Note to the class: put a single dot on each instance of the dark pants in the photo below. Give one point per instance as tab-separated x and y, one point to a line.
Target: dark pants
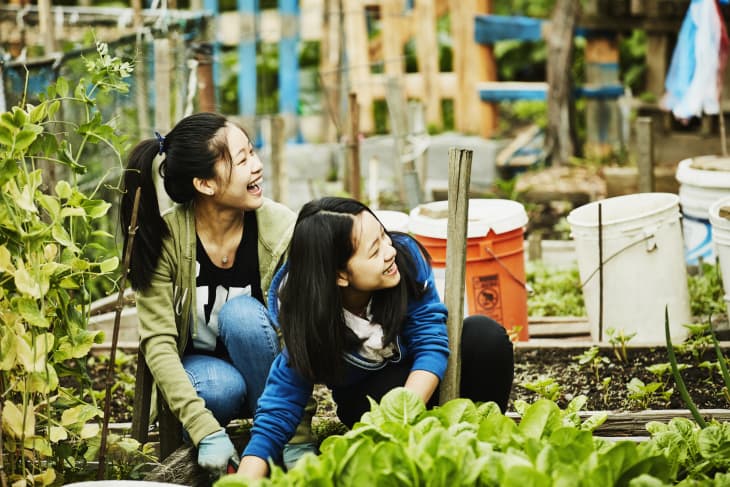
487	370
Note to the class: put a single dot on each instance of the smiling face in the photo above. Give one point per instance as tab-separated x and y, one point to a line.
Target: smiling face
239	182
372	265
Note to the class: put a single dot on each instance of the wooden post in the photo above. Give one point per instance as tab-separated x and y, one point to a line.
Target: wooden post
358	61
391	12
645	160
354	139
428	62
603	117
560	136
330	74
473	63
212	7
206	90
278	168
373	191
162	108
395	99
140	74
137	20
459	180
46	27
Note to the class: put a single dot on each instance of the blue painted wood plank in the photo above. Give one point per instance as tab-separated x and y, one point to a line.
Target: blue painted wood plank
288	57
489	29
248	11
496	92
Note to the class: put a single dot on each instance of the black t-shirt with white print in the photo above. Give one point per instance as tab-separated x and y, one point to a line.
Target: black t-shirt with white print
215	286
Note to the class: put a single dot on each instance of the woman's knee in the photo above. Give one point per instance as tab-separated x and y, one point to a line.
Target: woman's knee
242	308
218	383
489	336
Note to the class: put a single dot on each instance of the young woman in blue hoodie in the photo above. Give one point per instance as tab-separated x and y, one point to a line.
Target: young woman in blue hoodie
359	312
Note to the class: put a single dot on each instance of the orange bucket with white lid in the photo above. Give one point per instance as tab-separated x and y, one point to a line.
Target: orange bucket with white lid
495	262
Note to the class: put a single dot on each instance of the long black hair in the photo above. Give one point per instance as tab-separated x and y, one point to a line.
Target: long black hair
311	315
190	151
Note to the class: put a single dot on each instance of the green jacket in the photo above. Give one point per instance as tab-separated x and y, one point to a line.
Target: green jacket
166	308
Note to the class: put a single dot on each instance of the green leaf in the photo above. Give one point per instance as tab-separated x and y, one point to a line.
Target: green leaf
61	236
62	86
58	433
25	284
38	113
6	260
8	350
96	208
401	405
28	309
50	204
17	423
28	134
63	189
44	382
457	411
541	418
79	414
53	108
109	264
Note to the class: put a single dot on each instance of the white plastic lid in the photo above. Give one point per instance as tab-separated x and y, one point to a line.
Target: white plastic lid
497	215
393	221
686	174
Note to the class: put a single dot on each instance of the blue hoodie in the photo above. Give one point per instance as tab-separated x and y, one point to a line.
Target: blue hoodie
423	340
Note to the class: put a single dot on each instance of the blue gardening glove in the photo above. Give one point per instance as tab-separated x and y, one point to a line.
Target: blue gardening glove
214	452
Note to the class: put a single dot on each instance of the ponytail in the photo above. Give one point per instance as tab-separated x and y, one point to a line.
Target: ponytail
151	228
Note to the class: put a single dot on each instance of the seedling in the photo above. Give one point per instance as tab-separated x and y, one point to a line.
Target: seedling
545	387
592	359
663	371
698	340
619	340
643	394
604	388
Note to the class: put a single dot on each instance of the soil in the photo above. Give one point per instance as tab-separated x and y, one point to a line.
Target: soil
705	385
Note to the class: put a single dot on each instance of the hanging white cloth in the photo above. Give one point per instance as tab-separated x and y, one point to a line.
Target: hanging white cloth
694	79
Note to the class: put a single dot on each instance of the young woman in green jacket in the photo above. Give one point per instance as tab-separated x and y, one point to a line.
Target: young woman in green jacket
201	271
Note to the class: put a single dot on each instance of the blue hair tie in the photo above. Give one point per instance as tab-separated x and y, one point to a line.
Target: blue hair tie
161	140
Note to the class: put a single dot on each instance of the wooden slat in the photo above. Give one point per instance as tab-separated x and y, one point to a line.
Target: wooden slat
633	423
356	41
428	62
446	84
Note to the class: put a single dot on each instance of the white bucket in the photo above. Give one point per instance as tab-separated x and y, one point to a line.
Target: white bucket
393	221
643	266
699	188
721	241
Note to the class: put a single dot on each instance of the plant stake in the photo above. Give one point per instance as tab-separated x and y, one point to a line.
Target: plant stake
115	336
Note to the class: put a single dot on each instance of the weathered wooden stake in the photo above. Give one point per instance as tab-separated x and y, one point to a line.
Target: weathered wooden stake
278	168
354	139
45	25
115	336
645	160
459	180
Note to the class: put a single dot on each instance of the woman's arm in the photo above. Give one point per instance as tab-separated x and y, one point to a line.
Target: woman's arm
422	383
280	410
253	467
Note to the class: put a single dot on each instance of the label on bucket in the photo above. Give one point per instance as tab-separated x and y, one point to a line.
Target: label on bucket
488	296
697	240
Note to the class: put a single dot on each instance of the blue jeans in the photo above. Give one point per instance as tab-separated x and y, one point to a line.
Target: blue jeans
232	389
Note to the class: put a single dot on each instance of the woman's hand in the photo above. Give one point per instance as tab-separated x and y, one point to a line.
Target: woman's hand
422	383
253	467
